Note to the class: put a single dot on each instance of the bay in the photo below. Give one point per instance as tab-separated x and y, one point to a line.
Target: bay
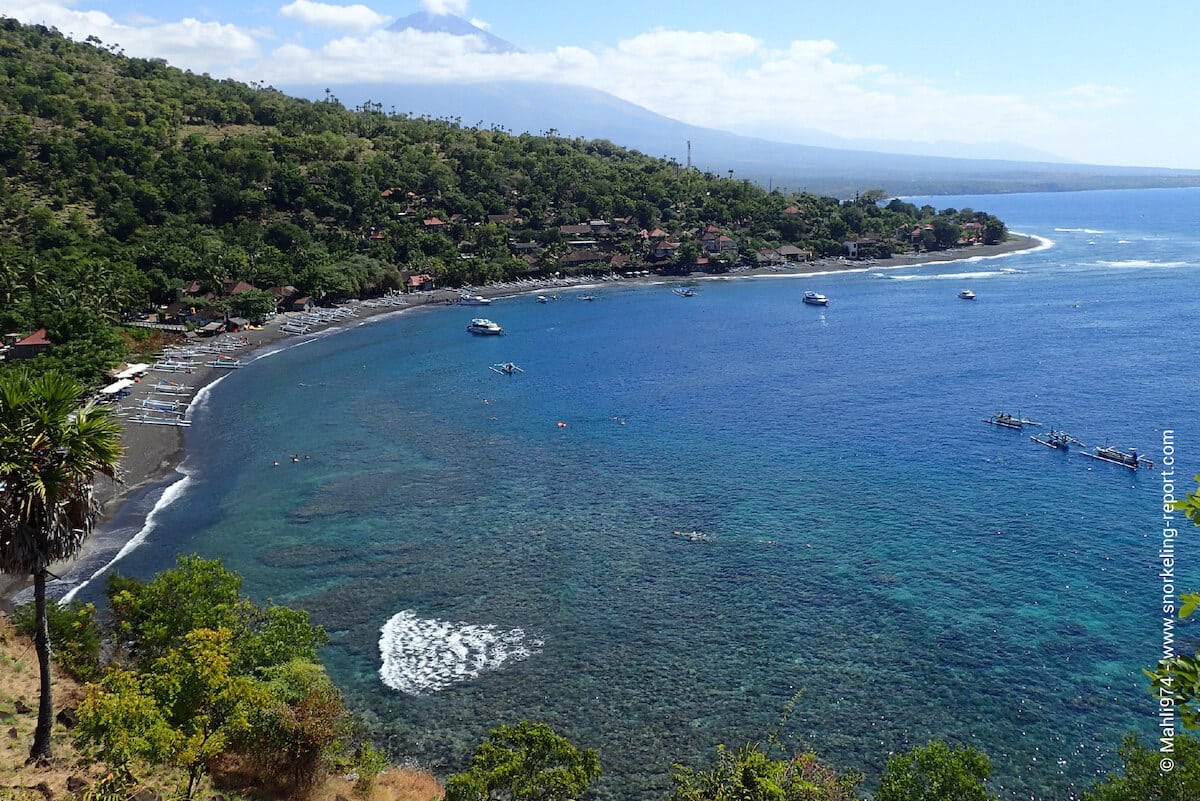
749	498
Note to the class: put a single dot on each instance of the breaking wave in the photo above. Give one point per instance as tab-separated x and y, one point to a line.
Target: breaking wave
424	655
1142	263
955	276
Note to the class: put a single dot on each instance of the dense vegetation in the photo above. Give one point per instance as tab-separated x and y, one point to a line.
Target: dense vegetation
126	180
196	678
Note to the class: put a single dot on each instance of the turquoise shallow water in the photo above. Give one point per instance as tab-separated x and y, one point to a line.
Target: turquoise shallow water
864	536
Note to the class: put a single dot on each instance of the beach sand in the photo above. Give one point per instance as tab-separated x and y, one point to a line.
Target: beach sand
152	452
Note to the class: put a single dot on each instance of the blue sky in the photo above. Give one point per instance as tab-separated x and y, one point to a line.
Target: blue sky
1097	82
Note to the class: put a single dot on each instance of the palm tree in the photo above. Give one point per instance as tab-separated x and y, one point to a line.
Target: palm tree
50	451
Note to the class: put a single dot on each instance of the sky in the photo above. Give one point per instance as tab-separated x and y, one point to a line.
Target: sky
1099	82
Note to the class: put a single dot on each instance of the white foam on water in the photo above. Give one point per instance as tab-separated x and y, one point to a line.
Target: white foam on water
169	496
955	276
1081	230
1141	263
425	655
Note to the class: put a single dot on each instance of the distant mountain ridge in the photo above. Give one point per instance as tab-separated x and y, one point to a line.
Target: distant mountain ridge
574	111
824	163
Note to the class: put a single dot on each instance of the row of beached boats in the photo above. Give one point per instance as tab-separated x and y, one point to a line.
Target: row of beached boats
167	401
1061	440
298	323
165	405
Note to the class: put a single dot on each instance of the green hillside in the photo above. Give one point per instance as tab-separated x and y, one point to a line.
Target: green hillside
127	182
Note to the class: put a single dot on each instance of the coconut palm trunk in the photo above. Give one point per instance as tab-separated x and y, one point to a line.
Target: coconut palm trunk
51	448
41	641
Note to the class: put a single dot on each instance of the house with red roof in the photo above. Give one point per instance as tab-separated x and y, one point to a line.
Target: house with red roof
420	283
30	346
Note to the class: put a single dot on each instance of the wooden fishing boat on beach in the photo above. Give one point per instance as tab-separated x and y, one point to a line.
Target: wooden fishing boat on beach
174	366
168	387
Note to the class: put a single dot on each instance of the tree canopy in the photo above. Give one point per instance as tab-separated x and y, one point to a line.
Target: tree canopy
126	181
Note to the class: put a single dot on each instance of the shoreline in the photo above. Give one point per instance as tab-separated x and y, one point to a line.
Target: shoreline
153	453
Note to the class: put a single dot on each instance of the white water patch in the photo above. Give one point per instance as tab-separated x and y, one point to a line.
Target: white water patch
424	655
171	494
1080	230
1133	264
956	276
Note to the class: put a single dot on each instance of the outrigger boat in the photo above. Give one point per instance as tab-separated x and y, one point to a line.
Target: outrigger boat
1006	420
224	361
507	368
166	387
1131	458
1056	439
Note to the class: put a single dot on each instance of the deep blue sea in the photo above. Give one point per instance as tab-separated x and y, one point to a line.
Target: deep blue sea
750	497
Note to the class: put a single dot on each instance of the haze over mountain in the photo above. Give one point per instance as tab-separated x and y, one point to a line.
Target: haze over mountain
810	159
454	25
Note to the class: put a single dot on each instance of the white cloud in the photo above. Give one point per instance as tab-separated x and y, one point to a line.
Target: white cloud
440	7
717	79
480	24
187	43
357	18
1092	96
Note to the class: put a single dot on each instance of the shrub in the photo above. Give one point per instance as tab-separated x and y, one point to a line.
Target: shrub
74	635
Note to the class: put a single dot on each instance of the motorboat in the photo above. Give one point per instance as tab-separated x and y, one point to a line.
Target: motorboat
684	292
815	298
543	299
467	299
966	294
483	326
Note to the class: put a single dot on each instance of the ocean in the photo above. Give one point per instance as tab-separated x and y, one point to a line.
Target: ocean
687	511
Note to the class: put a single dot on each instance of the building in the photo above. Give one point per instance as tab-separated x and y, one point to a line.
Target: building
31	346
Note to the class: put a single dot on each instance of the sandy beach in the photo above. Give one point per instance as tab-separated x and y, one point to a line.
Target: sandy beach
152	452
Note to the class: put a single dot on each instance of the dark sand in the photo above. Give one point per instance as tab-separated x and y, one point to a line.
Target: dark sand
152	452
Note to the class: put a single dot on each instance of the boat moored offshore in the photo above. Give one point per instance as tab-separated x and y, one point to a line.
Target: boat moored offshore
815	298
1006	420
484	327
1130	458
